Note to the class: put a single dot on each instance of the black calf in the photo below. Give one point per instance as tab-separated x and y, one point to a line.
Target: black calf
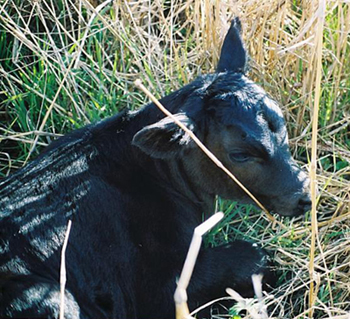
136	186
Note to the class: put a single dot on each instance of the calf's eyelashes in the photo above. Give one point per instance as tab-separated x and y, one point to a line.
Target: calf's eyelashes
240	156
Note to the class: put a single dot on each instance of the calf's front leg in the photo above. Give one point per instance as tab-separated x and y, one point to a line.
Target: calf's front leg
231	265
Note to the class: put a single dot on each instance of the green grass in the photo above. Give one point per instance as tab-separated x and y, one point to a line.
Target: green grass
98	56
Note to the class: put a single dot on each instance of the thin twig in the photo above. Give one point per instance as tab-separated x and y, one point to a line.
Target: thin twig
63	277
48	112
180	295
87	29
313	179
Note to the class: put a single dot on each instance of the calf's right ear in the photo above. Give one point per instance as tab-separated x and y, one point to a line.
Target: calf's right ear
233	55
164	139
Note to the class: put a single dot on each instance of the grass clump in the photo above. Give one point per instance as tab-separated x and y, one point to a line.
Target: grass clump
65	63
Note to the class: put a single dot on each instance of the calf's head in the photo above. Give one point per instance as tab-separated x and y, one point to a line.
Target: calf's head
242	126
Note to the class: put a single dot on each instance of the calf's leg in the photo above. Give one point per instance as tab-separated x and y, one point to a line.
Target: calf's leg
230	265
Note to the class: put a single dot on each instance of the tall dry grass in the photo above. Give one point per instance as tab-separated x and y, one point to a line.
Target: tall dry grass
65	63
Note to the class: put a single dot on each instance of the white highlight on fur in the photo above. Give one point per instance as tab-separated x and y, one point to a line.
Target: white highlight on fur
33	294
5	247
15	266
26	194
47	246
271	104
78	166
22	201
36	221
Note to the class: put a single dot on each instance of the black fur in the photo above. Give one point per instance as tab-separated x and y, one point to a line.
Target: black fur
135	187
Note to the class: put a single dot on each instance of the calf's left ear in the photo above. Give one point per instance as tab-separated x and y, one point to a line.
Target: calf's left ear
165	138
233	55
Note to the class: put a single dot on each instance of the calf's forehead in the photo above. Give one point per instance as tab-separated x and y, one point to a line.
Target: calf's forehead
240	102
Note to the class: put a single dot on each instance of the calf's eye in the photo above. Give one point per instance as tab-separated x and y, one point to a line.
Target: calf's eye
240	157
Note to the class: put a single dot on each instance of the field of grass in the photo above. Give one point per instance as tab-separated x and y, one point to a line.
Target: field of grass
67	63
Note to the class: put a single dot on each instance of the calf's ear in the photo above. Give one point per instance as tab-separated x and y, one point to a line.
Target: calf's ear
165	138
233	55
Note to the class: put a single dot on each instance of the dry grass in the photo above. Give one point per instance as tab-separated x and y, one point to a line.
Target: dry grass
65	63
